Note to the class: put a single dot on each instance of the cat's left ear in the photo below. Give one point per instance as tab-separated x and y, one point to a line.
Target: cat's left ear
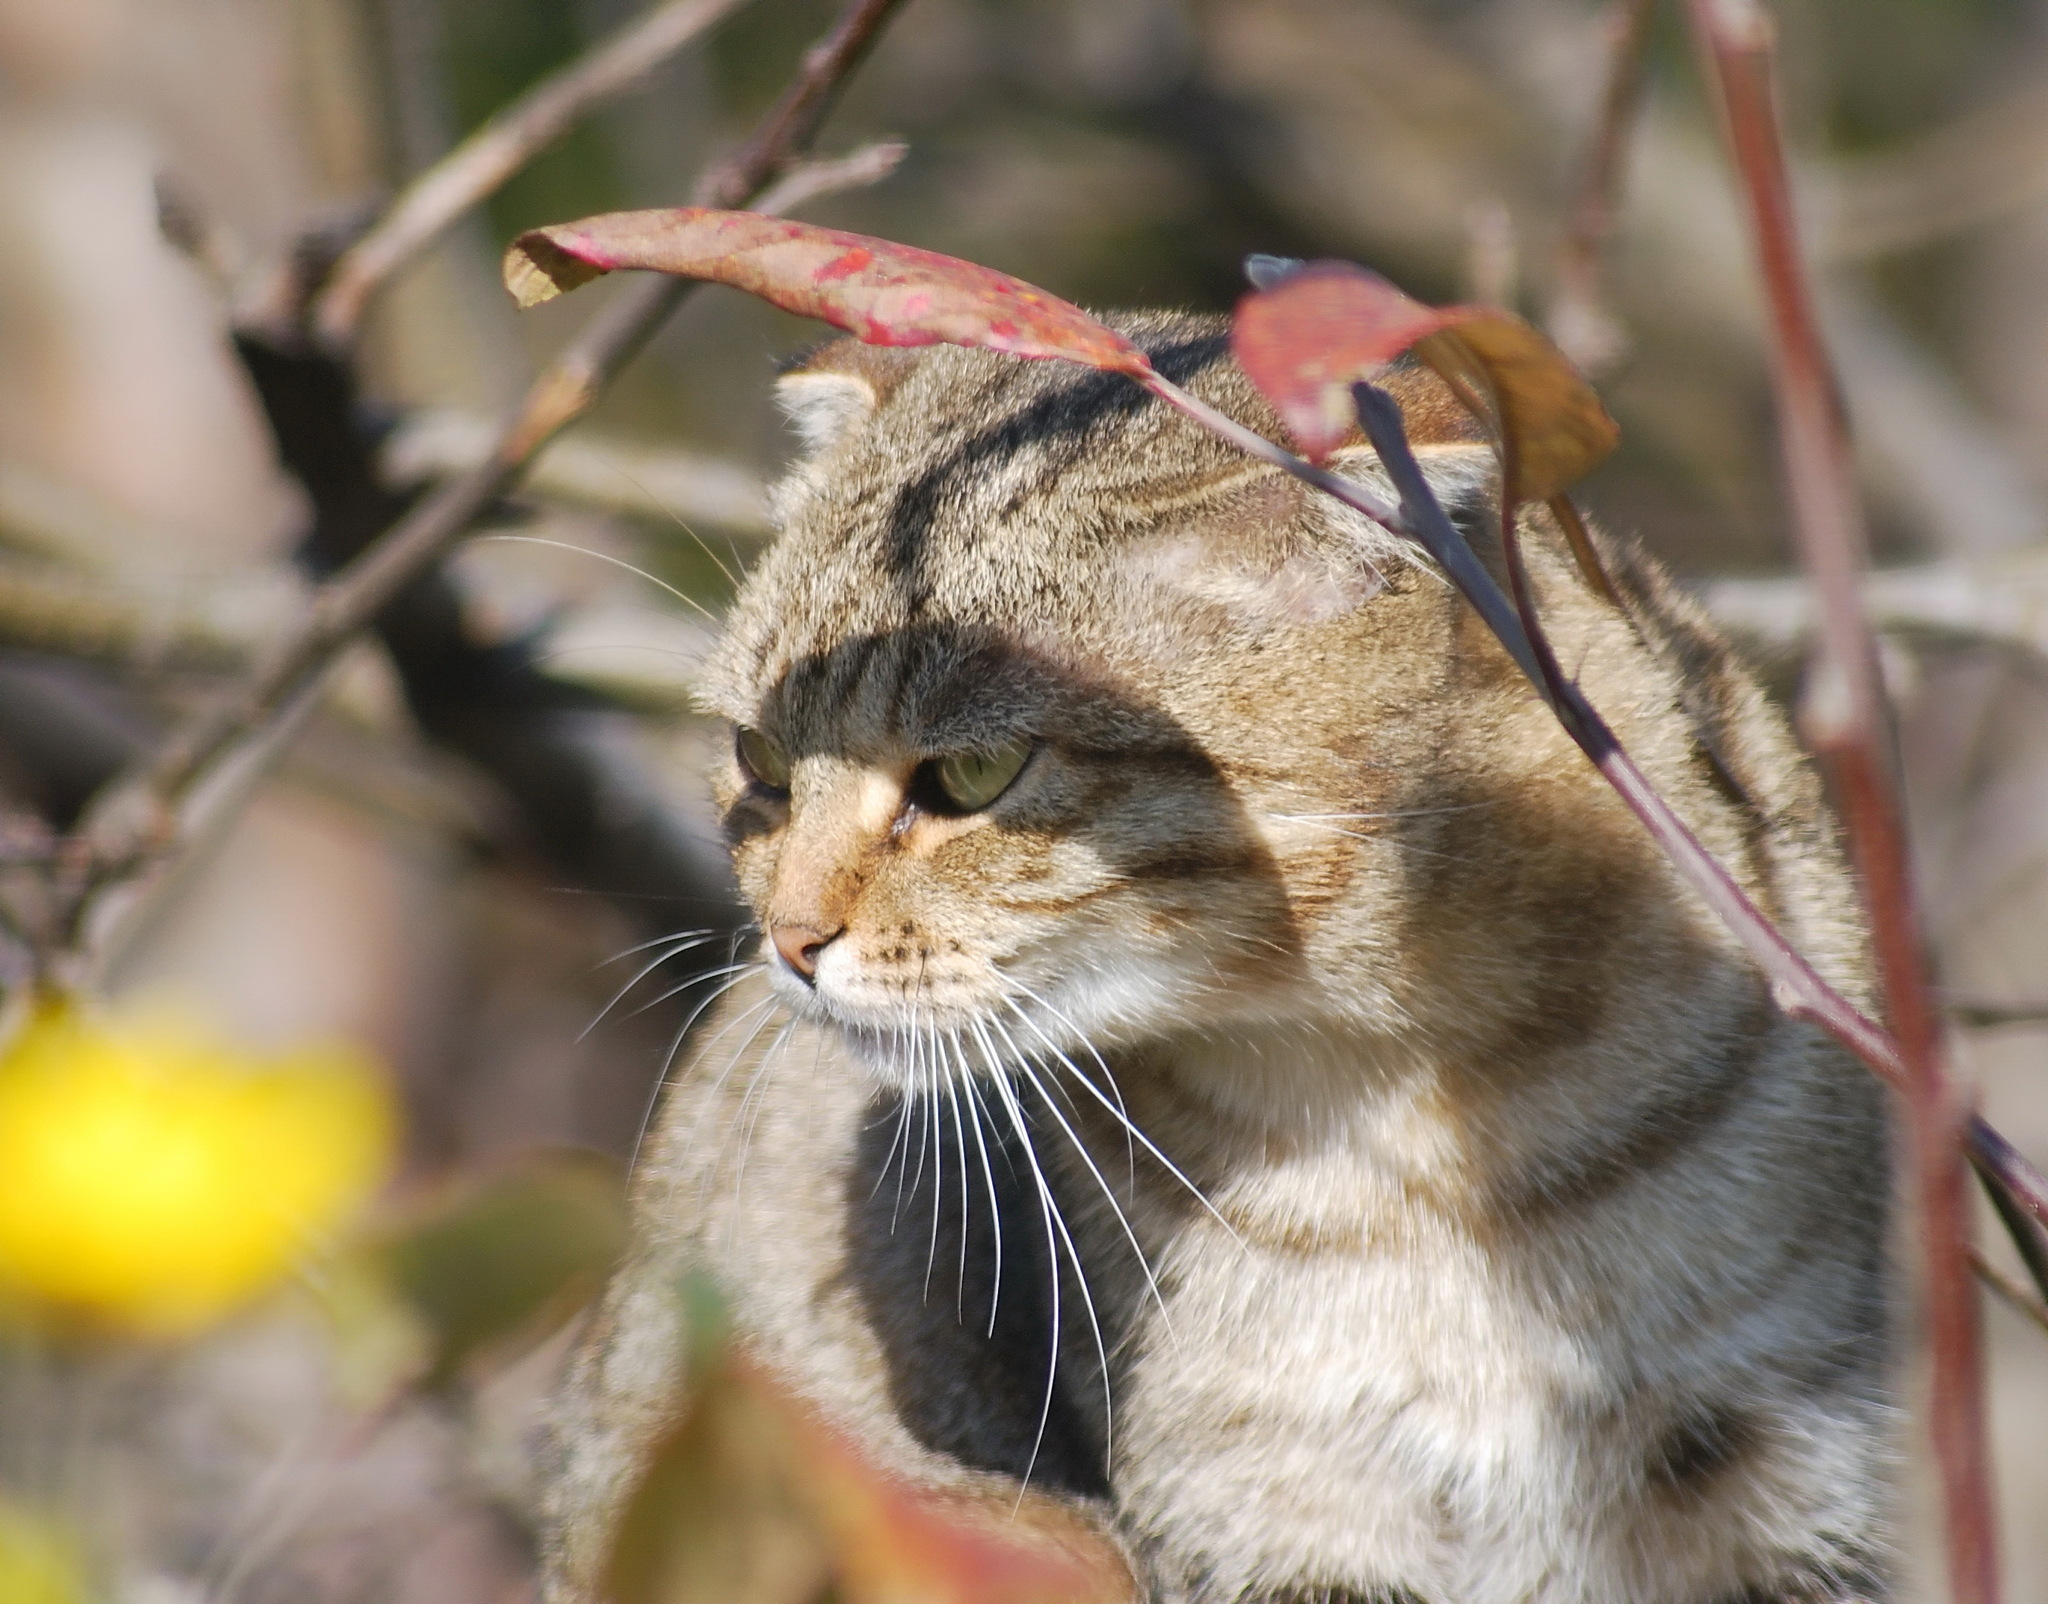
1258	550
1271	553
829	393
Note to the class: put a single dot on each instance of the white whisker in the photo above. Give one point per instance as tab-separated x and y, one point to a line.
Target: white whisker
897	1141
698	979
988	1174
1130	1125
1080	1147
750	1113
936	1123
1052	1367
617	562
1123	1113
675	517
1049	1202
966	1201
681	945
661	1081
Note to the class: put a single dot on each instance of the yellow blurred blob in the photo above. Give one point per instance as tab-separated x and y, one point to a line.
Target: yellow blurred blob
37	1564
155	1179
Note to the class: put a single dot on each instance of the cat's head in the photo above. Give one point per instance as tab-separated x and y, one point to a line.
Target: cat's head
1058	723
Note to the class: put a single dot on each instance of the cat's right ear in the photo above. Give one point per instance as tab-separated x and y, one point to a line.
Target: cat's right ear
829	393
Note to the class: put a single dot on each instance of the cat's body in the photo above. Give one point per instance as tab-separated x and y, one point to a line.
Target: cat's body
1537	1258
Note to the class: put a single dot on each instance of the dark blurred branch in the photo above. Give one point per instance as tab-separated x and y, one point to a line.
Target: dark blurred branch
132	825
24	838
497	150
1580	322
1847	721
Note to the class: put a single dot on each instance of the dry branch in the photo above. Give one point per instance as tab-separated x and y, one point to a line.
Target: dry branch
1579	318
612	474
133	823
69	616
1847	723
2015	1293
2001	601
1991	161
497	150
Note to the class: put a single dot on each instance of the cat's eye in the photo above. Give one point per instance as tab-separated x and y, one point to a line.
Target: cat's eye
763	760
970	781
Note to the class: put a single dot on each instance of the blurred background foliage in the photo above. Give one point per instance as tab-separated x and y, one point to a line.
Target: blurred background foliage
394	882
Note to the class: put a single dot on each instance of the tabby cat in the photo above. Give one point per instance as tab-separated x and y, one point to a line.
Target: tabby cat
1221	1057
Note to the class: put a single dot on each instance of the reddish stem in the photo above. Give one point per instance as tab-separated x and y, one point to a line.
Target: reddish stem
1847	724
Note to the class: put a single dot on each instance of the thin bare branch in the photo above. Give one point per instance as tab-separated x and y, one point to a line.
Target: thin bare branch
612	474
1847	722
1997	600
807	181
69	616
1973	1015
609	473
1580	322
1991	161
24	838
131	821
2014	1292
497	150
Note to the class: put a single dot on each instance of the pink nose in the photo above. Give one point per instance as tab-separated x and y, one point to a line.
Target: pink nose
800	946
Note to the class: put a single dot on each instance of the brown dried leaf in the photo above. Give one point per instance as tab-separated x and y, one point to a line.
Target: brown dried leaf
1306	340
884	293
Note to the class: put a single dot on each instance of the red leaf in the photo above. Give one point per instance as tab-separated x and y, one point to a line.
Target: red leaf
1306	340
887	294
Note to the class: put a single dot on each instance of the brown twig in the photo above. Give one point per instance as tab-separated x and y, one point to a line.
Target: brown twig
2015	1293
132	823
1579	319
2000	601
497	150
67	616
1996	1016
1846	720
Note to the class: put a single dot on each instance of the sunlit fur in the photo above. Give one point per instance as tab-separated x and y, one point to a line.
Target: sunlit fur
1426	1199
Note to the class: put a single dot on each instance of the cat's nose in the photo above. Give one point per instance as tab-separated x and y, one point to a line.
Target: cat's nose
800	946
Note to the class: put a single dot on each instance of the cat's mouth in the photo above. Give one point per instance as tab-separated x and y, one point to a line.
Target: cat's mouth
980	1016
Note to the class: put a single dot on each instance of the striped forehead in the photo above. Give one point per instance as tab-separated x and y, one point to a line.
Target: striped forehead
979	505
924	688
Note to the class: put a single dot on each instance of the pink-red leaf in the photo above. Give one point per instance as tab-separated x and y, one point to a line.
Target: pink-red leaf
1306	340
886	294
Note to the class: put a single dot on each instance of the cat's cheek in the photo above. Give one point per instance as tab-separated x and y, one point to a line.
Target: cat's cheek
753	865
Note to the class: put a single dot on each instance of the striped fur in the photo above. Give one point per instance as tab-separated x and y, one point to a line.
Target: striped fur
1404	1190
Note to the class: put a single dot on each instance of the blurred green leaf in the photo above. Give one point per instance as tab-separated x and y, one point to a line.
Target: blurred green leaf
512	1256
721	1516
39	1563
750	1499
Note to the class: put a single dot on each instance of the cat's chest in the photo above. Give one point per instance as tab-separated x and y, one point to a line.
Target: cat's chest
1349	1383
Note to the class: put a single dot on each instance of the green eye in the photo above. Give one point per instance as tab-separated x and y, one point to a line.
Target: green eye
762	759
972	780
